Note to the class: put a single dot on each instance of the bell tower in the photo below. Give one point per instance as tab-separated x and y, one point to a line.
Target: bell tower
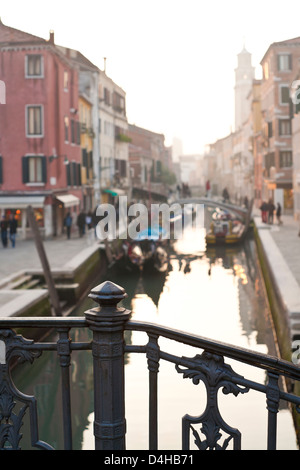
244	75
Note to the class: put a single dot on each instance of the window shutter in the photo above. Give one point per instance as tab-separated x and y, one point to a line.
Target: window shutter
91	159
290	62
84	158
74	174
1	170
44	169
78	174
68	174
25	172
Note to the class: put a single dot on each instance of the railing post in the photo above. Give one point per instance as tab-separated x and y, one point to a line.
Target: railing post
108	323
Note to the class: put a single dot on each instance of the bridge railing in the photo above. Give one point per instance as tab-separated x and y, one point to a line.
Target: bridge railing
108	322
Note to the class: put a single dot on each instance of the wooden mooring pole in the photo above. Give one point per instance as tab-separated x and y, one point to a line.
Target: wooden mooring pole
44	260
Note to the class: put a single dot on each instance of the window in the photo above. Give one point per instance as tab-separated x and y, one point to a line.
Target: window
266	71
284	94
285	159
106	96
284	62
34	66
270	129
72	131
78	133
66	80
34	121
285	127
34	169
73	174
66	123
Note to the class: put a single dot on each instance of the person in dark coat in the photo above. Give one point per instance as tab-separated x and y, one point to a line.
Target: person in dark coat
13	225
264	212
4	228
271	209
81	223
68	224
278	214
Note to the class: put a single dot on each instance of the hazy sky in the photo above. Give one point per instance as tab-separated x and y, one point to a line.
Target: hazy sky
175	59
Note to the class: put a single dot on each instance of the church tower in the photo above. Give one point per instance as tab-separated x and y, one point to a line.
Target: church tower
244	75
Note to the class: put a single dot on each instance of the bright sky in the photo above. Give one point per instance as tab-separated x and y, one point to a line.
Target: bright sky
175	59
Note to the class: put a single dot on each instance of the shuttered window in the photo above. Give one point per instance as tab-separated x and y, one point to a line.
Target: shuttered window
34	169
73	174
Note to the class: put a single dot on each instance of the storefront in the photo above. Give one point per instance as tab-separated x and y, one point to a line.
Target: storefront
17	206
64	203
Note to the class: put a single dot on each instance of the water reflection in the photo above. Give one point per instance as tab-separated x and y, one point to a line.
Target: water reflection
216	293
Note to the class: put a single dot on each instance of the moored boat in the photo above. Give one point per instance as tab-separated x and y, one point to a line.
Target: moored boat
225	229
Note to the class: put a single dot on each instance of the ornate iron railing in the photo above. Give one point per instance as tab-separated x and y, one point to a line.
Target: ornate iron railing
108	323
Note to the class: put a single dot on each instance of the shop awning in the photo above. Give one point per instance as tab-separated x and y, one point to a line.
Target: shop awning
21	202
69	200
115	191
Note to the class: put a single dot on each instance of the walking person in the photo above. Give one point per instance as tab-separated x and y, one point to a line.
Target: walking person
271	209
225	195
264	211
81	223
13	225
4	228
68	224
278	214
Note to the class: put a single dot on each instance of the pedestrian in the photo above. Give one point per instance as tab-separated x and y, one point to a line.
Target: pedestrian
225	195
264	211
68	224
207	189
81	223
13	225
4	228
278	213
271	209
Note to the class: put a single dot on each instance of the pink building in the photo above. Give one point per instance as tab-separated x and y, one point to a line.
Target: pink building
40	154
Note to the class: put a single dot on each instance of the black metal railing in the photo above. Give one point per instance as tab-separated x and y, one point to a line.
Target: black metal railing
108	323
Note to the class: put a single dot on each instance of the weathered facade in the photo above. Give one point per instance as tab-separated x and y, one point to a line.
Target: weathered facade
40	131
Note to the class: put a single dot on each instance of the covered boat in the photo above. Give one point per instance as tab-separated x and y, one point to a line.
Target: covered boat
225	229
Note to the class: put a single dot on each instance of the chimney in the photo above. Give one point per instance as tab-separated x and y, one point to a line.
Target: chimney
51	37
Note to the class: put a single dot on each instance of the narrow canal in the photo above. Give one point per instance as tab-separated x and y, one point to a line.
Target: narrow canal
220	295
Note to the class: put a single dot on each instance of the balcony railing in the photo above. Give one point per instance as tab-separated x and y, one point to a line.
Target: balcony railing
108	323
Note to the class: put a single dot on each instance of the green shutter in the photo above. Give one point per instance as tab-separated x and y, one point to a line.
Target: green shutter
25	170
44	169
68	174
79	174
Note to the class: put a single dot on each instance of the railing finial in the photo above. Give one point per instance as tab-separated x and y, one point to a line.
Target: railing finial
107	294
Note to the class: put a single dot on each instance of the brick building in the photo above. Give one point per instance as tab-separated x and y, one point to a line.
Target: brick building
279	65
39	131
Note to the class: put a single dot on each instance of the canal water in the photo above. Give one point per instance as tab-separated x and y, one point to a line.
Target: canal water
216	294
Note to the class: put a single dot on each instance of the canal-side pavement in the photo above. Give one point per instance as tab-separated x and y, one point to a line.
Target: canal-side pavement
64	257
281	245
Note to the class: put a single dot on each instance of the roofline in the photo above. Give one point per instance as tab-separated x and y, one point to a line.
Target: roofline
287	42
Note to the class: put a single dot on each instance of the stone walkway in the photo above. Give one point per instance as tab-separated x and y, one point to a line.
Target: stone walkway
281	245
25	256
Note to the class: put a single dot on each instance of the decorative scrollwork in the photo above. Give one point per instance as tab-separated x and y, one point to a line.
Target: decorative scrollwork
215	374
15	347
